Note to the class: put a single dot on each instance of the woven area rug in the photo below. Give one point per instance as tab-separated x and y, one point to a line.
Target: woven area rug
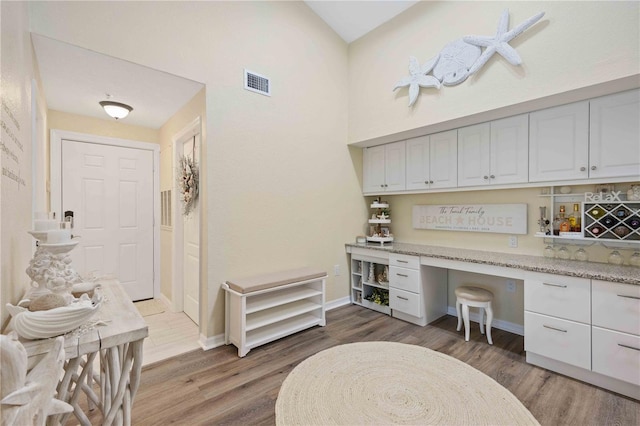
393	383
150	307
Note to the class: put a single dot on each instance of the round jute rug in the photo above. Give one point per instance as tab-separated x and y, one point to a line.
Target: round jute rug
387	383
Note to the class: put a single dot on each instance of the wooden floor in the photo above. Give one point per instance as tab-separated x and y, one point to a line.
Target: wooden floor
216	387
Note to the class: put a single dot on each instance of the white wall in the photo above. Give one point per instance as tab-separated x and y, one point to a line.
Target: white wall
281	188
15	159
577	44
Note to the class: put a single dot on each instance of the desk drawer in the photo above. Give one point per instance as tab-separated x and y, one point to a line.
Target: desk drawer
406	302
405	279
562	340
404	261
616	355
558	296
616	306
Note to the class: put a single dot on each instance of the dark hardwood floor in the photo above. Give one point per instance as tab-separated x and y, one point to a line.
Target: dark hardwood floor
216	387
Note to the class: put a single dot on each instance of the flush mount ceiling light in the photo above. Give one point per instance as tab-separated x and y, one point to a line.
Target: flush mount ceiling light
116	110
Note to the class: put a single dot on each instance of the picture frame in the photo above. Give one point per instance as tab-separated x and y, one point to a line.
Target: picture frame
605	188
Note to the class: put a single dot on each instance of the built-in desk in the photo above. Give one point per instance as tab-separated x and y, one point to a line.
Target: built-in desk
581	319
118	346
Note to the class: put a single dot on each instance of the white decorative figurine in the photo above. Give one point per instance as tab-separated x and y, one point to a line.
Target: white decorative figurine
463	57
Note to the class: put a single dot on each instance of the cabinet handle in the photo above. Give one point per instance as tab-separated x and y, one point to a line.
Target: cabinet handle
403	298
402	261
629	347
553	328
555	285
629	297
430	181
593	167
382	186
426	182
582	169
492	176
402	275
486	177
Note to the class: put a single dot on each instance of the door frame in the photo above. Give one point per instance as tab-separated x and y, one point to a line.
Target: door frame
56	138
177	287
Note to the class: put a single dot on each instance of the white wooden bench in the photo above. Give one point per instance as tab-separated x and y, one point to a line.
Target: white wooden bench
264	308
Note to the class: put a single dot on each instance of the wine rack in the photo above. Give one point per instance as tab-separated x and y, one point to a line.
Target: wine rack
611	221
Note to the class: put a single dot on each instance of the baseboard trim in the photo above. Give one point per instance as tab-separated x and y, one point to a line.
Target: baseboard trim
337	303
496	323
207	343
167	302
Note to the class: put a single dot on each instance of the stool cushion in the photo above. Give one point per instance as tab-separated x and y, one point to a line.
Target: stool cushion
263	282
475	294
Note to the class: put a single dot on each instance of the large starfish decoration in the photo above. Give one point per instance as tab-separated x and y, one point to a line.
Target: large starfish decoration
500	42
418	77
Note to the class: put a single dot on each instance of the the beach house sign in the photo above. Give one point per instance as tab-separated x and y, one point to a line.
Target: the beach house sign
497	218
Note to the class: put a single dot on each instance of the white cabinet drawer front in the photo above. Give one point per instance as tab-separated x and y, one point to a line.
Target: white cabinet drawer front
616	355
404	261
563	297
562	340
616	306
405	279
404	301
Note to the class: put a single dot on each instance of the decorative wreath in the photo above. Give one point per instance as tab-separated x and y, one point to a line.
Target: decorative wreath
188	183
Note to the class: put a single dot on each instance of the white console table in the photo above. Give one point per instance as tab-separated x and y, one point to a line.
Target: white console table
117	345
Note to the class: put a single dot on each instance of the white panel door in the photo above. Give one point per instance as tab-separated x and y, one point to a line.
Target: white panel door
559	143
443	150
614	148
395	166
510	150
373	169
191	241
110	191
474	155
418	163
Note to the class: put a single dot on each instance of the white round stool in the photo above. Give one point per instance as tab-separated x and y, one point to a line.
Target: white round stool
478	298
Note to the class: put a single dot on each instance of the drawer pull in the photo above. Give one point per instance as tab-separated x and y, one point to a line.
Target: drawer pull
555	285
403	298
401	261
554	328
629	347
402	275
628	297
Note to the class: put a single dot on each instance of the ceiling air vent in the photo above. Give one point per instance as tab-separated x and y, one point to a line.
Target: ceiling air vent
257	83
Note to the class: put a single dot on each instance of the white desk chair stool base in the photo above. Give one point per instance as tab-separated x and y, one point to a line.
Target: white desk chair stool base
477	298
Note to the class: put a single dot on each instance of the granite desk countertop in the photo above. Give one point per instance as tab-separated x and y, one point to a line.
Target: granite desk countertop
574	268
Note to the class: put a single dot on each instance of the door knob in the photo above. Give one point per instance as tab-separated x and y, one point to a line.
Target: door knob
593	167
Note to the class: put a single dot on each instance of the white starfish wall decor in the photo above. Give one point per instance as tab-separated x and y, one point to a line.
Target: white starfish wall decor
463	57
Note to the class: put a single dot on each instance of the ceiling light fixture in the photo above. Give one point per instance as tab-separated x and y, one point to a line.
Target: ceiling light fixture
116	110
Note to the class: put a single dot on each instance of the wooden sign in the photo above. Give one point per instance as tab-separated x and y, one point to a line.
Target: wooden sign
497	218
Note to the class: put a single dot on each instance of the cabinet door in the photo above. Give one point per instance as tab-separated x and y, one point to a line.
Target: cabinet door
418	163
395	171
474	159
443	155
510	150
373	169
559	143
614	148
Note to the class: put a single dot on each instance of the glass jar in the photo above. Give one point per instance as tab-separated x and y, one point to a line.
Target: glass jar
549	252
634	260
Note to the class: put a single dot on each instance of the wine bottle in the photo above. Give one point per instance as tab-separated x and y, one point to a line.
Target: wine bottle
621	213
575	220
608	221
634	222
596	212
596	230
565	225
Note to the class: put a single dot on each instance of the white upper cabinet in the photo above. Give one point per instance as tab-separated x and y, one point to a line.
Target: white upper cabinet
474	155
614	147
494	153
432	161
384	168
559	143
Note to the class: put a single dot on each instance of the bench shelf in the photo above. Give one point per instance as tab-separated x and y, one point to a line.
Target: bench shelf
285	303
